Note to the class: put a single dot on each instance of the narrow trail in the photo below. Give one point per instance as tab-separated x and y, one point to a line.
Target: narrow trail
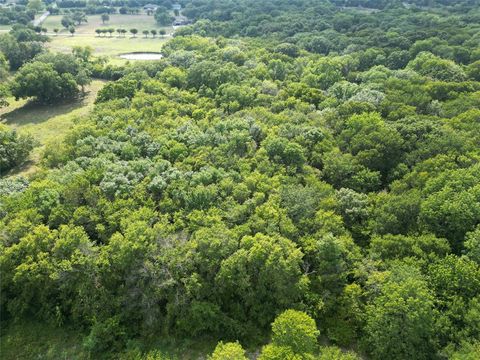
41	19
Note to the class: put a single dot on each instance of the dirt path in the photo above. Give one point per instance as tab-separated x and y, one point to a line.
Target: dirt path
41	19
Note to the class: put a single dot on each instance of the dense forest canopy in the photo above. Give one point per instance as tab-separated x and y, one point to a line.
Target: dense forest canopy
292	172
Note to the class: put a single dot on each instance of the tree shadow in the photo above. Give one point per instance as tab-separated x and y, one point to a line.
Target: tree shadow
35	113
46	122
26	168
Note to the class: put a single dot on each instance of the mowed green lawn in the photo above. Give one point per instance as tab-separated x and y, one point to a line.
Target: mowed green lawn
105	45
140	22
46	123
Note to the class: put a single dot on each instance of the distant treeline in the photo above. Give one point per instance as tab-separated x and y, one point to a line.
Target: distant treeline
17	14
112	3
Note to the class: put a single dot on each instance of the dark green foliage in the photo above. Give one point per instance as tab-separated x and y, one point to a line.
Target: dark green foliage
19	52
14	148
163	17
106	336
44	83
400	321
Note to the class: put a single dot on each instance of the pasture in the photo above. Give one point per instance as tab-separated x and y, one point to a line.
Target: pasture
46	123
140	21
106	45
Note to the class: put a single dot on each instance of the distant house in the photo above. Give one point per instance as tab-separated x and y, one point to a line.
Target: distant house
181	20
177	7
150	7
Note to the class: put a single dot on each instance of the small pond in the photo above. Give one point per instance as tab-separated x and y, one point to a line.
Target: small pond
141	56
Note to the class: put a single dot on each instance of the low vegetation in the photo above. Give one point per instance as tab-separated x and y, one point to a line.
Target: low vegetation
14	148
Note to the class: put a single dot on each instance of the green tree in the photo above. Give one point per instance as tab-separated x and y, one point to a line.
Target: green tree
3	77
35	5
18	53
276	352
163	17
473	70
423	247
82	79
174	76
296	330
456	283
468	351
41	81
283	151
67	22
400	320
334	353
373	142
259	279
472	245
435	67
82	53
228	351
451	207
14	148
105	18
79	17
3	95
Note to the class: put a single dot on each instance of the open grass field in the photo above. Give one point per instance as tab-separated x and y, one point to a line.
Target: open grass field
140	22
105	45
46	123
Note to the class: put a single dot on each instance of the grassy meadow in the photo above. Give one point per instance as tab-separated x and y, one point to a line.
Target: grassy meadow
111	47
140	22
106	45
45	122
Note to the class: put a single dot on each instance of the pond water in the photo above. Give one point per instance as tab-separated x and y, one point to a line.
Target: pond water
142	56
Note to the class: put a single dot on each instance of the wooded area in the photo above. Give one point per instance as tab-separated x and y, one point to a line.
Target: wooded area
300	179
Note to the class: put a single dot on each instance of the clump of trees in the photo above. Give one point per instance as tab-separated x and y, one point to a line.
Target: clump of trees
16	15
3	78
14	148
50	78
42	81
294	336
163	17
21	45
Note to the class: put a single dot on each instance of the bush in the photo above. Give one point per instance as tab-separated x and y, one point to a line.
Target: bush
14	148
296	330
105	336
228	351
